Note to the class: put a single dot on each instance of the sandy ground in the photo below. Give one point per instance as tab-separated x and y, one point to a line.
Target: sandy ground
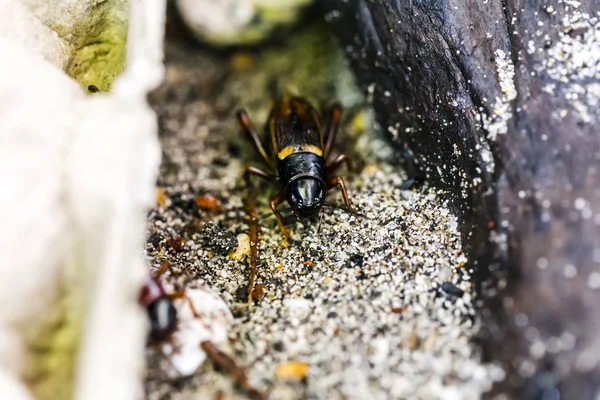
377	306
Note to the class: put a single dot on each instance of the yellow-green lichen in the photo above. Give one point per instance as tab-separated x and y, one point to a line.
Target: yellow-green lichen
98	41
52	347
101	56
281	11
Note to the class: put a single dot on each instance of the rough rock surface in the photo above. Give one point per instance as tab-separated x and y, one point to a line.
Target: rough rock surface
497	102
19	24
86	38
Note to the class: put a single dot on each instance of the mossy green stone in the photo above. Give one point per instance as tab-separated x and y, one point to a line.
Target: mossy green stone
268	15
99	42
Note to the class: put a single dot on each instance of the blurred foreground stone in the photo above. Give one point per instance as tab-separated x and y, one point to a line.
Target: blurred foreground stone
77	174
238	22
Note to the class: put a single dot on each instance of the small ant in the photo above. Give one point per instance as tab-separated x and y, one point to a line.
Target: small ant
163	323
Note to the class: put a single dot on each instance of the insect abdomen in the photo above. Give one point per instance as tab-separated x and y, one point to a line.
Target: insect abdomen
294	127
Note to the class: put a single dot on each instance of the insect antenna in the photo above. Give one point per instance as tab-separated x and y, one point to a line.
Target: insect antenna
265	216
321	214
270	214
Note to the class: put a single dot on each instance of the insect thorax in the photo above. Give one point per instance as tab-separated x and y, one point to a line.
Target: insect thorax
301	165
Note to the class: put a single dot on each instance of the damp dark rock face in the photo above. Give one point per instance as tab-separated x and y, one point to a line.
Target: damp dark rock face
497	103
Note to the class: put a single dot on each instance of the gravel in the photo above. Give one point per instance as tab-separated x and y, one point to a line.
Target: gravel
377	305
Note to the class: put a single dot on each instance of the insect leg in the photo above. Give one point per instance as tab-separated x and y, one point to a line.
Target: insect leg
258	172
227	363
182	295
321	214
275	201
334	123
338	181
253	224
164	267
335	164
251	132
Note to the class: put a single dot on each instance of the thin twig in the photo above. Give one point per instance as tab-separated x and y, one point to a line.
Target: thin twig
253	234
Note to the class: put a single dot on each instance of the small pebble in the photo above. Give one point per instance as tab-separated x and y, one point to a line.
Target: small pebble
292	370
217	238
407	184
242	249
445	274
451	289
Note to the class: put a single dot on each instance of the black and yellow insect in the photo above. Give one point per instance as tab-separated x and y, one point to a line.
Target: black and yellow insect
298	156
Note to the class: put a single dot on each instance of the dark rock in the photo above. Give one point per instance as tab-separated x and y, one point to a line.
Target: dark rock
452	289
185	205
155	240
241	293
485	99
222	241
356	260
408	184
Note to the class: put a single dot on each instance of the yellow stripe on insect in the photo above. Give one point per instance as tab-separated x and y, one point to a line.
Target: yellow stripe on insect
307	148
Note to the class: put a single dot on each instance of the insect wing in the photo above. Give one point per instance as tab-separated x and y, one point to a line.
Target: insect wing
294	126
